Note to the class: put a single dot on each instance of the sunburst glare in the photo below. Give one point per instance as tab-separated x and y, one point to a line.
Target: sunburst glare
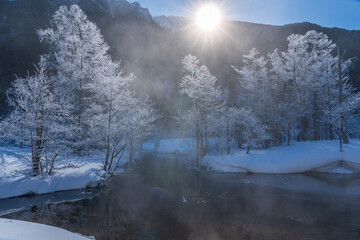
208	17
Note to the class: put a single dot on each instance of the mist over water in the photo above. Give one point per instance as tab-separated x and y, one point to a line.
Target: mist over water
163	199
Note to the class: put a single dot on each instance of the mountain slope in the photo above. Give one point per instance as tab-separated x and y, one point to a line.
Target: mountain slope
152	52
19	20
171	22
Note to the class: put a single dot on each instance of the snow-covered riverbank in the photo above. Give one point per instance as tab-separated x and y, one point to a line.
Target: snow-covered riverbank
81	172
70	173
19	230
322	156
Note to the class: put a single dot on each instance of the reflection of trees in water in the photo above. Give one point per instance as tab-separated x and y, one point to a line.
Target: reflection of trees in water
337	180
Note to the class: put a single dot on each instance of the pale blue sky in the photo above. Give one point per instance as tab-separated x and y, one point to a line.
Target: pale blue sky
329	13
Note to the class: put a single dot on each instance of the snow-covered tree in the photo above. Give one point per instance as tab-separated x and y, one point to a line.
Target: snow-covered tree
286	102
230	124
38	119
144	115
117	118
343	102
246	128
296	93
254	78
200	86
78	58
302	81
307	62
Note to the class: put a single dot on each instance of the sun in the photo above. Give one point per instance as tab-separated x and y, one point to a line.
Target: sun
208	17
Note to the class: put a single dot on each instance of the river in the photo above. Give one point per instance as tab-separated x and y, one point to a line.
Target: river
162	199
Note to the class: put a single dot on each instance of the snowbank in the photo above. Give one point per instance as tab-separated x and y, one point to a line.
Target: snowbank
175	145
301	157
19	230
73	173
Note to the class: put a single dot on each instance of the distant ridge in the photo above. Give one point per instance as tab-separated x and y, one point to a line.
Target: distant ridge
147	47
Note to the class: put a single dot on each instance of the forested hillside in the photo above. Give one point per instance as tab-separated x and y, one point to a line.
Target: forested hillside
151	52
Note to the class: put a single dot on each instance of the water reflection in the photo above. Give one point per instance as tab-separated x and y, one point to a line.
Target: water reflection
162	199
17	204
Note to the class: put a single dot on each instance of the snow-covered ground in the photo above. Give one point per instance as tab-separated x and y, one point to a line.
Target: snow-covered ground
19	230
71	173
80	172
322	156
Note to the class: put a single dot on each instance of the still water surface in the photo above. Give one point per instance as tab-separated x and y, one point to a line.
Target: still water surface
161	199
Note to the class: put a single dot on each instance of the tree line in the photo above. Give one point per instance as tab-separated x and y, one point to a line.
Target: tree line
303	93
79	99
